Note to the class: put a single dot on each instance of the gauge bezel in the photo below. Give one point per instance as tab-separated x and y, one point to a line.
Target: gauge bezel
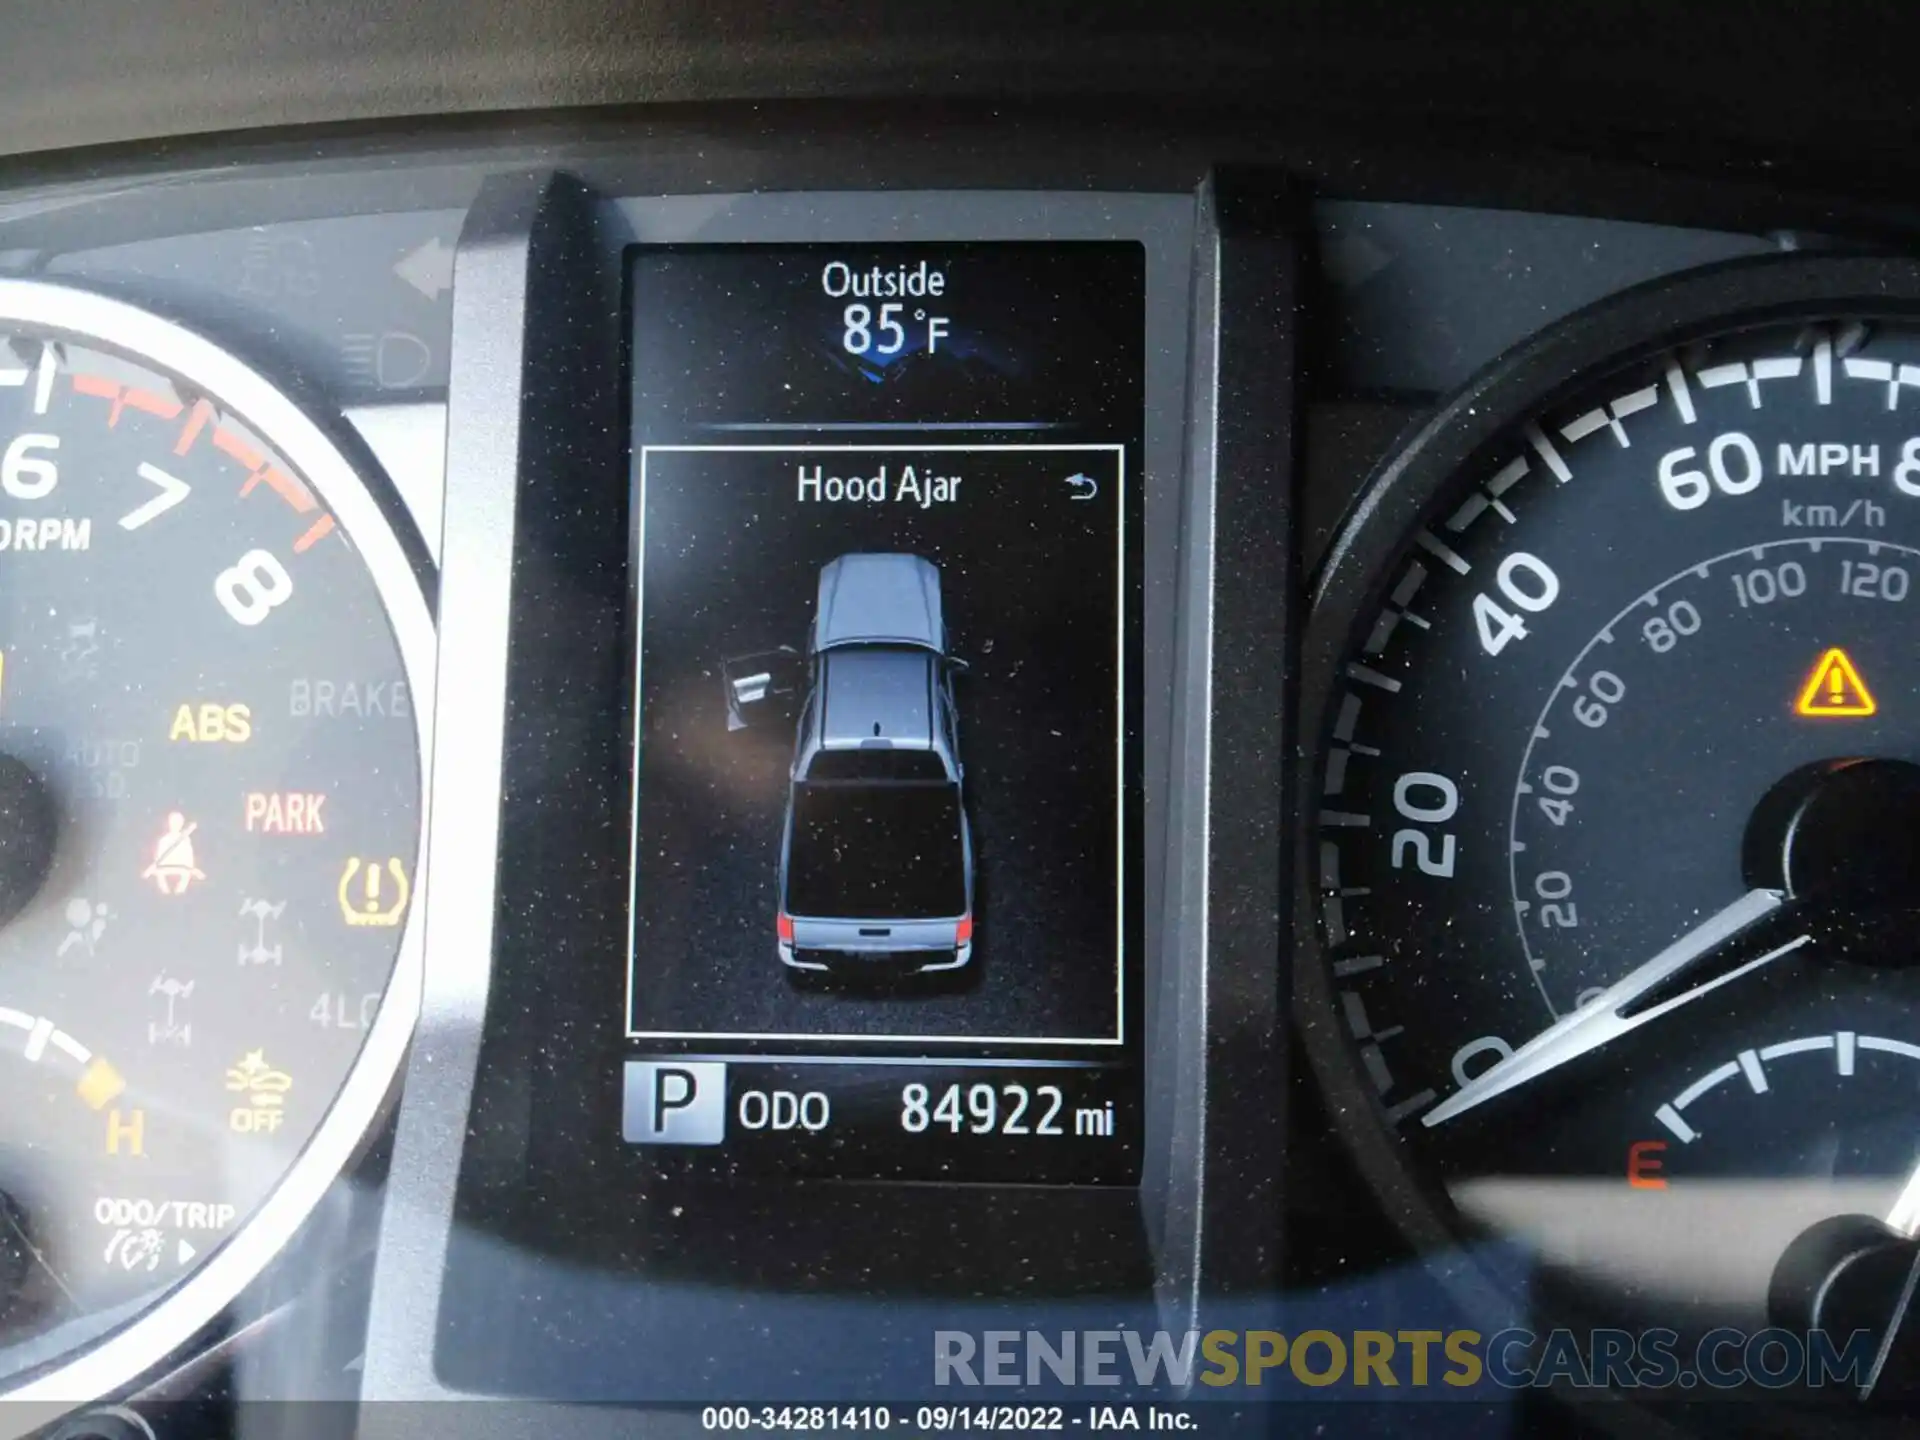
375	526
1413	483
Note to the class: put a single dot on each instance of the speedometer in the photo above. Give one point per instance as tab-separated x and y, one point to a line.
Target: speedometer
213	649
1613	882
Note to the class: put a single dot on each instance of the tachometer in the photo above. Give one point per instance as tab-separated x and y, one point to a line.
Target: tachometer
1617	856
213	654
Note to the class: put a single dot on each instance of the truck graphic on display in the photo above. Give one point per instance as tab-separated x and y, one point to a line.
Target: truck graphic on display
876	858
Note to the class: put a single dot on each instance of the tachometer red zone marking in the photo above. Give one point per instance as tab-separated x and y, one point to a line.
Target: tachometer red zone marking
314	533
258	467
124	396
196	422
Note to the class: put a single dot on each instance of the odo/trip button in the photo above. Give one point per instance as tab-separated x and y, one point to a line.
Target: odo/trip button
144	1234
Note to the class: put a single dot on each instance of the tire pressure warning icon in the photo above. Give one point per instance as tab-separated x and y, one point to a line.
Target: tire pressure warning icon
1834	690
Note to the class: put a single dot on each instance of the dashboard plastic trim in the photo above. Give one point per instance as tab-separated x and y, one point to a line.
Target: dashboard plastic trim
483	443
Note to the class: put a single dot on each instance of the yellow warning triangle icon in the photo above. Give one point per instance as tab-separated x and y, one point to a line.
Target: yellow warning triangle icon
1835	689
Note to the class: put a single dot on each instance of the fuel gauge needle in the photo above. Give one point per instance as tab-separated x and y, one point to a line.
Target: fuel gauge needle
1614	1011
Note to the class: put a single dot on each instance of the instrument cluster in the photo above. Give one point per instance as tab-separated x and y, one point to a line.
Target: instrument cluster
586	753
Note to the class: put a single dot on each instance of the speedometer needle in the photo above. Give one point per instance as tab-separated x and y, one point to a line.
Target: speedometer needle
1614	1013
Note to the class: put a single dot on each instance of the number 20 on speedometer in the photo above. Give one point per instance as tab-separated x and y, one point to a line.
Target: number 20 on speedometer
1616	694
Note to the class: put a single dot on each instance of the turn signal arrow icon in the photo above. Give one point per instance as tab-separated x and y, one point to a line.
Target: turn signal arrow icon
1835	689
